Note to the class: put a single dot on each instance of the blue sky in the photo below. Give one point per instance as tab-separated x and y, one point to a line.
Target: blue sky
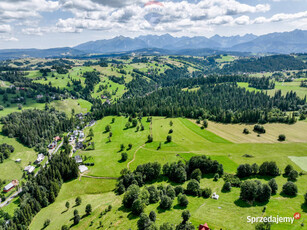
58	23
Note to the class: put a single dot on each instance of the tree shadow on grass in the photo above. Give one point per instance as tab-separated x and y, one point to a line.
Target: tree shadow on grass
260	177
243	204
64	211
287	196
179	207
161	210
121	161
304	207
131	216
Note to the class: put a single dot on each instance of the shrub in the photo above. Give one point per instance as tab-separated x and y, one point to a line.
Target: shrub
273	185
138	207
282	137
170	131
226	187
88	209
293	175
124	156
153	216
245	131
179	189
196	174
193	187
182	200
259	129
169	139
78	201
131	195
166	202
289	189
288	169
216	177
206	192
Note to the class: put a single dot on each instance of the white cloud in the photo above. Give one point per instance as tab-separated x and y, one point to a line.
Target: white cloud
130	15
11	10
8	39
5	28
280	17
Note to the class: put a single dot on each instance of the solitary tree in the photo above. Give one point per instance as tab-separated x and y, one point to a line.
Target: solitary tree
124	156
107	128
182	200
78	201
67	205
169	138
88	209
293	175
274	187
288	169
289	189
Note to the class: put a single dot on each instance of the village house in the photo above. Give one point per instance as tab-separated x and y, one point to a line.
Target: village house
29	169
81	134
104	97
10	186
79	145
39	96
78	159
52	145
82	168
57	138
203	227
107	102
40	158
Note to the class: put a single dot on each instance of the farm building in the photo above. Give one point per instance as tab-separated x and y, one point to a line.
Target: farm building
40	158
203	227
29	168
78	159
215	196
18	160
10	186
83	168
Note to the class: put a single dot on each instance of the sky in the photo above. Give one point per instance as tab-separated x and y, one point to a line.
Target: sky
61	23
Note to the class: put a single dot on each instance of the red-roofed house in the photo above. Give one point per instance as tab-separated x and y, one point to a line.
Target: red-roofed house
57	138
203	227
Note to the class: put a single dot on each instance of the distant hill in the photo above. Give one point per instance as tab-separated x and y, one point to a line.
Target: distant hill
38	53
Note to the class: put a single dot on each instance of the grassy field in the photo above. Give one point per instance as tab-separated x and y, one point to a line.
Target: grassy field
285	87
300	161
11	170
187	140
234	132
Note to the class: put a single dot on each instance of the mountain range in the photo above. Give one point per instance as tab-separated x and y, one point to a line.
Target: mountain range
278	43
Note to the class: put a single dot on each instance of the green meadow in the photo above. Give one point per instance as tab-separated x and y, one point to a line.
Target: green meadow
187	140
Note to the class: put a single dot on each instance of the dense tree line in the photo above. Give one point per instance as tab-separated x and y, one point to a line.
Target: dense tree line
261	83
265	169
177	171
40	191
35	127
264	64
226	103
5	151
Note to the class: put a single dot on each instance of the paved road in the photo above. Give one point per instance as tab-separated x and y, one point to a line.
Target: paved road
9	199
